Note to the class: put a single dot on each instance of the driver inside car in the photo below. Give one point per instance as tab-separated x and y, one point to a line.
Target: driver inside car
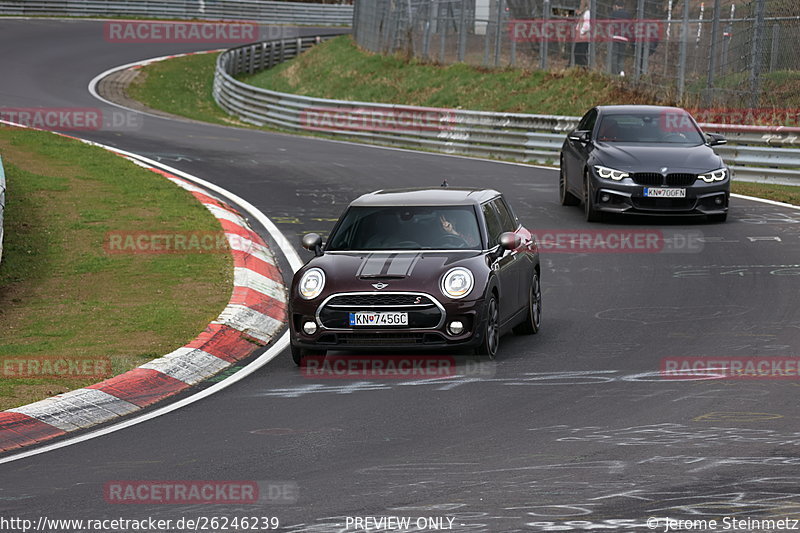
462	230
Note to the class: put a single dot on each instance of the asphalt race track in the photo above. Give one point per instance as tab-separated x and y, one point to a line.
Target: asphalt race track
572	427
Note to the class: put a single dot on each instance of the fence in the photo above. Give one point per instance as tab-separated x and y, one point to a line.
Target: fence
251	10
2	204
700	53
755	153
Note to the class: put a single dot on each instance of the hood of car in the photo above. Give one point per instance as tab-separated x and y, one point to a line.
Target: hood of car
655	158
389	272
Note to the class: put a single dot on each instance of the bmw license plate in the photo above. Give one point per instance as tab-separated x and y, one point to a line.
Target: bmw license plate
369	318
662	192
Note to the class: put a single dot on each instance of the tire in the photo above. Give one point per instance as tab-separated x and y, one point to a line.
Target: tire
533	319
298	354
591	212
491	333
566	197
718	218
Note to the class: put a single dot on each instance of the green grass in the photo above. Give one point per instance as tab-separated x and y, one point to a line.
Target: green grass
62	294
338	69
778	89
789	194
181	86
352	74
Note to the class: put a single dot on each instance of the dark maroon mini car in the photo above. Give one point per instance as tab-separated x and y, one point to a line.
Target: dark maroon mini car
417	269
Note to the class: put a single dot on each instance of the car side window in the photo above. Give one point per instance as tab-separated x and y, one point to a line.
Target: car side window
588	121
507	220
493	225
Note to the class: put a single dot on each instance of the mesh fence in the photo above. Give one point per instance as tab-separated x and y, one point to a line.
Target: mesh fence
715	53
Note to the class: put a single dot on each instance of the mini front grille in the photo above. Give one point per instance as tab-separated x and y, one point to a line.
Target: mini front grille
423	311
369	300
648	178
380	339
681	180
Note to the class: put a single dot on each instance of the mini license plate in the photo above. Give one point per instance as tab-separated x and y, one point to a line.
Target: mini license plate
369	318
660	192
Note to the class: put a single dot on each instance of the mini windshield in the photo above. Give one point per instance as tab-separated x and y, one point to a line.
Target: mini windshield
668	127
407	228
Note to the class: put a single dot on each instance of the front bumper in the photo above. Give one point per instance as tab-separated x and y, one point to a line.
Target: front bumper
331	336
626	196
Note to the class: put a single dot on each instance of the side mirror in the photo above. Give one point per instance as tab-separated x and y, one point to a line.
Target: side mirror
313	242
582	136
715	139
510	241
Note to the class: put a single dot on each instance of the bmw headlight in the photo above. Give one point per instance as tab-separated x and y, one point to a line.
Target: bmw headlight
715	175
457	283
311	284
610	173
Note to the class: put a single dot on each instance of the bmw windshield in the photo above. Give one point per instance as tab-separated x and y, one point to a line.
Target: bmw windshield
407	228
672	128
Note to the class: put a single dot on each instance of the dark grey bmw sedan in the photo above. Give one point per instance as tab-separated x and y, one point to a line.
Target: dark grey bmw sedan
648	160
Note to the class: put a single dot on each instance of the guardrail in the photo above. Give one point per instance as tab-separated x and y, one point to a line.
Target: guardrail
2	204
250	10
759	154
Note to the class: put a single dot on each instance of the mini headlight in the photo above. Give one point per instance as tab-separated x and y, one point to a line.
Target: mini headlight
311	284
715	175
610	173
457	283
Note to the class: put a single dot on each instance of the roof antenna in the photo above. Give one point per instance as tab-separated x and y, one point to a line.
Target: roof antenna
444	184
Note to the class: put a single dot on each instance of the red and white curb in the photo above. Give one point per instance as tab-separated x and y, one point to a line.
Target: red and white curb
254	315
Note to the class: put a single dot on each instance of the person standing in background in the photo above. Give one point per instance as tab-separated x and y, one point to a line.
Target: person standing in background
583	32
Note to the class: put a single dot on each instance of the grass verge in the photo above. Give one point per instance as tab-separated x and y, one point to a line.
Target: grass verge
789	194
182	86
353	74
62	295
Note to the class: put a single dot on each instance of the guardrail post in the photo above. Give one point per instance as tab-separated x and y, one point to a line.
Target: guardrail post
283	51
263	63
299	46
271	61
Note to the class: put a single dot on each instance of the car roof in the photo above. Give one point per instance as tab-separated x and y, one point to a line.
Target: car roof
426	196
620	109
